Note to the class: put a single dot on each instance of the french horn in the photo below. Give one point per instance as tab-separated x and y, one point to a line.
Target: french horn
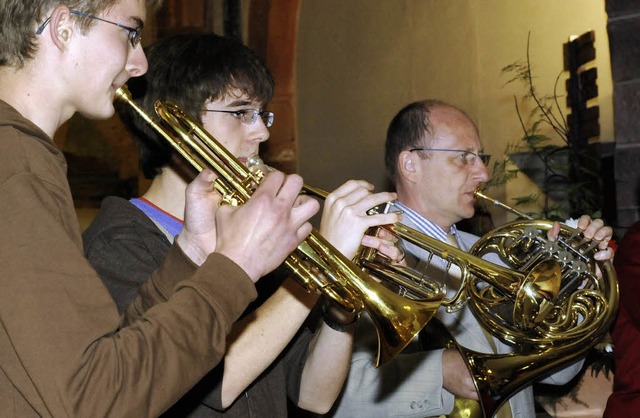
315	264
548	301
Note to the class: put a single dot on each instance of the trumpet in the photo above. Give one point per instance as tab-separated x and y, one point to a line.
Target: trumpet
315	264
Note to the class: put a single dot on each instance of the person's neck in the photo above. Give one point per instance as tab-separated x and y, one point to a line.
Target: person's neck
167	191
34	97
417	205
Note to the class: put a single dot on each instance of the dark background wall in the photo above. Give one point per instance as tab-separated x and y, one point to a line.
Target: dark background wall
624	43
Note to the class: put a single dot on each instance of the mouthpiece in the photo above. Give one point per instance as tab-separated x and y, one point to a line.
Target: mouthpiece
254	164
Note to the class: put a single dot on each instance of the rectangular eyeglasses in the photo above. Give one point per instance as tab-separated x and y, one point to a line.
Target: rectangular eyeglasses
249	116
468	157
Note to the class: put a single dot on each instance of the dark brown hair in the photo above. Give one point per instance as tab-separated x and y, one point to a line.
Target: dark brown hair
190	69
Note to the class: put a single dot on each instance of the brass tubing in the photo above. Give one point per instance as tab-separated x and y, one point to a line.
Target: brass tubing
498	203
397	319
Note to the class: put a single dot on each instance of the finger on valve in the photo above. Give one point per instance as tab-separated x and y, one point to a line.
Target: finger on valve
346	217
260	234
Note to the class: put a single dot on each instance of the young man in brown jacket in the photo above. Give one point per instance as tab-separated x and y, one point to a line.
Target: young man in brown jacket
64	350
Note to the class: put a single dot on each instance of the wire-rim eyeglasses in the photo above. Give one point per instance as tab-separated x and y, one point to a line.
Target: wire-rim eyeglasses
135	34
249	116
469	157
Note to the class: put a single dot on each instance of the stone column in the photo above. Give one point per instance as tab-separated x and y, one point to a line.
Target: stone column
624	43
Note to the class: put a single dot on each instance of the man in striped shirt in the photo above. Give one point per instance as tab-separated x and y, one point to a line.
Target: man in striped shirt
435	159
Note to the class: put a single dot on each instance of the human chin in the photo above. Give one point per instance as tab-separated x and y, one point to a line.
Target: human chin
469	211
98	112
467	208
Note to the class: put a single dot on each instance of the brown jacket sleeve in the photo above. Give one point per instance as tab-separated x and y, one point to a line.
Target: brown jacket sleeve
63	349
176	267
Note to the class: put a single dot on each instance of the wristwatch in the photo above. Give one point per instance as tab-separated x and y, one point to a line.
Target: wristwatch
337	326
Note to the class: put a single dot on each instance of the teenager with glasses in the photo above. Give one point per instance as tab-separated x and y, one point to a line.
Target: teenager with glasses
65	350
434	157
270	358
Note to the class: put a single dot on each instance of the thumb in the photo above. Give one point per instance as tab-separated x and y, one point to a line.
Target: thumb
553	233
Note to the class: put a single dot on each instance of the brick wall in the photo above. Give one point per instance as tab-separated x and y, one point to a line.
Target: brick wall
624	43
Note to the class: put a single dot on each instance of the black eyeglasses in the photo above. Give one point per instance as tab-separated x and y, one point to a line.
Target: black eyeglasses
249	116
468	157
135	34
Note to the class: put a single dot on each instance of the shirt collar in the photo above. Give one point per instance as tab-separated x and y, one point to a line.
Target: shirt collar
423	224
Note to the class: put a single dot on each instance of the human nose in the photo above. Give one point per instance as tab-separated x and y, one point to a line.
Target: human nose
137	63
259	131
481	171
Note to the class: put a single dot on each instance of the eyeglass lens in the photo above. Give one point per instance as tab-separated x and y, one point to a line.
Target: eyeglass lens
468	157
249	117
135	34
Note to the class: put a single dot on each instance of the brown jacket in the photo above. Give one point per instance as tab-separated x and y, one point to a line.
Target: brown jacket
121	231
64	350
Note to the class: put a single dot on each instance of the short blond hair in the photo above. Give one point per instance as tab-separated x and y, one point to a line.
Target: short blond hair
19	20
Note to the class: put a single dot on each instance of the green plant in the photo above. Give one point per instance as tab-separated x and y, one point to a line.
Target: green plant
569	187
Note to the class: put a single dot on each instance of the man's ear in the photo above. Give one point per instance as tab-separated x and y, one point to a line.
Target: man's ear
61	26
406	165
